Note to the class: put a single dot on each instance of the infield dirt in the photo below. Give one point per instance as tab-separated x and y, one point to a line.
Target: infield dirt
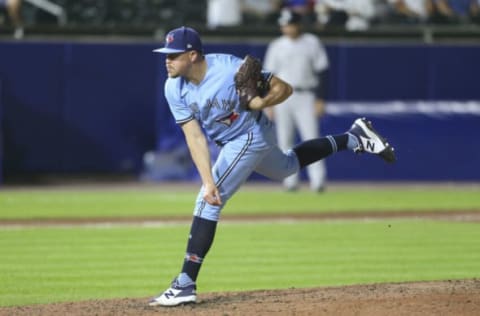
458	297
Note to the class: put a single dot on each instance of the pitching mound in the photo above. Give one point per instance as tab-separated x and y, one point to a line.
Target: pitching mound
459	297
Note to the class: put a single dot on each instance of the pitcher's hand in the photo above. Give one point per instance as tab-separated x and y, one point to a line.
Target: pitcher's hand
211	195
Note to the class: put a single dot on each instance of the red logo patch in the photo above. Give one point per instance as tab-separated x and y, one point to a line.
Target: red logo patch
229	119
169	38
233	117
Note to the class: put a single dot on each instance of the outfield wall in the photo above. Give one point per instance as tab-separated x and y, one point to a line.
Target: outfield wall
89	107
1	134
77	107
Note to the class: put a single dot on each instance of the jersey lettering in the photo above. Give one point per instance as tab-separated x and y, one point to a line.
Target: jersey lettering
228	105
225	105
211	103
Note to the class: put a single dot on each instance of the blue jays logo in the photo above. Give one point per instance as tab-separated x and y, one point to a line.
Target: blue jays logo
169	38
229	119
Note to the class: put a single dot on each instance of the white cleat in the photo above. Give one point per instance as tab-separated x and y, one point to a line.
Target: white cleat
370	141
176	295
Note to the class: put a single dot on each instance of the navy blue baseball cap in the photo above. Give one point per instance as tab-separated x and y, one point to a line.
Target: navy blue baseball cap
181	40
289	17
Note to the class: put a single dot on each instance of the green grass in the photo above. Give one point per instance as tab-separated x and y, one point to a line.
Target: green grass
41	265
161	202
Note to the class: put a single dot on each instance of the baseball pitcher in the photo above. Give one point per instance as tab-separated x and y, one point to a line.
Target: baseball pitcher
223	96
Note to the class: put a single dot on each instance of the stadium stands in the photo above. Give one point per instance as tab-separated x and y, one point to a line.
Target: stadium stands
150	18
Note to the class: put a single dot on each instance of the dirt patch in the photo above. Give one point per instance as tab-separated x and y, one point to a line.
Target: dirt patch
457	297
466	216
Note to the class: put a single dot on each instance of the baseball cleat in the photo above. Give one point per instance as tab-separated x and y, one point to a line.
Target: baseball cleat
176	295
370	141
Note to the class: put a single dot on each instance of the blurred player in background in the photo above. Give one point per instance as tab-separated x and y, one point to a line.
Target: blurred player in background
301	60
354	15
205	100
13	8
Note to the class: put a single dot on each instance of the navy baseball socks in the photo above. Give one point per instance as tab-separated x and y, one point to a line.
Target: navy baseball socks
183	287
360	138
200	240
313	150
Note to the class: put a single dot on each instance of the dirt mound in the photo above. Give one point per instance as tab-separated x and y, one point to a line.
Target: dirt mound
459	297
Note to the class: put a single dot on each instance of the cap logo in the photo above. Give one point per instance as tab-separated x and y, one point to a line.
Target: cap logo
180	40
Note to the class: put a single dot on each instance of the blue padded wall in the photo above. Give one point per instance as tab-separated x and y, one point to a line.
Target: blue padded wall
90	107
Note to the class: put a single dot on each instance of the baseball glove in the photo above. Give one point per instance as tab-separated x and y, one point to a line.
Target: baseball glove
249	81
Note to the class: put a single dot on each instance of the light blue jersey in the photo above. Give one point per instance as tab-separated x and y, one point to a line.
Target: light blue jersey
214	102
247	137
